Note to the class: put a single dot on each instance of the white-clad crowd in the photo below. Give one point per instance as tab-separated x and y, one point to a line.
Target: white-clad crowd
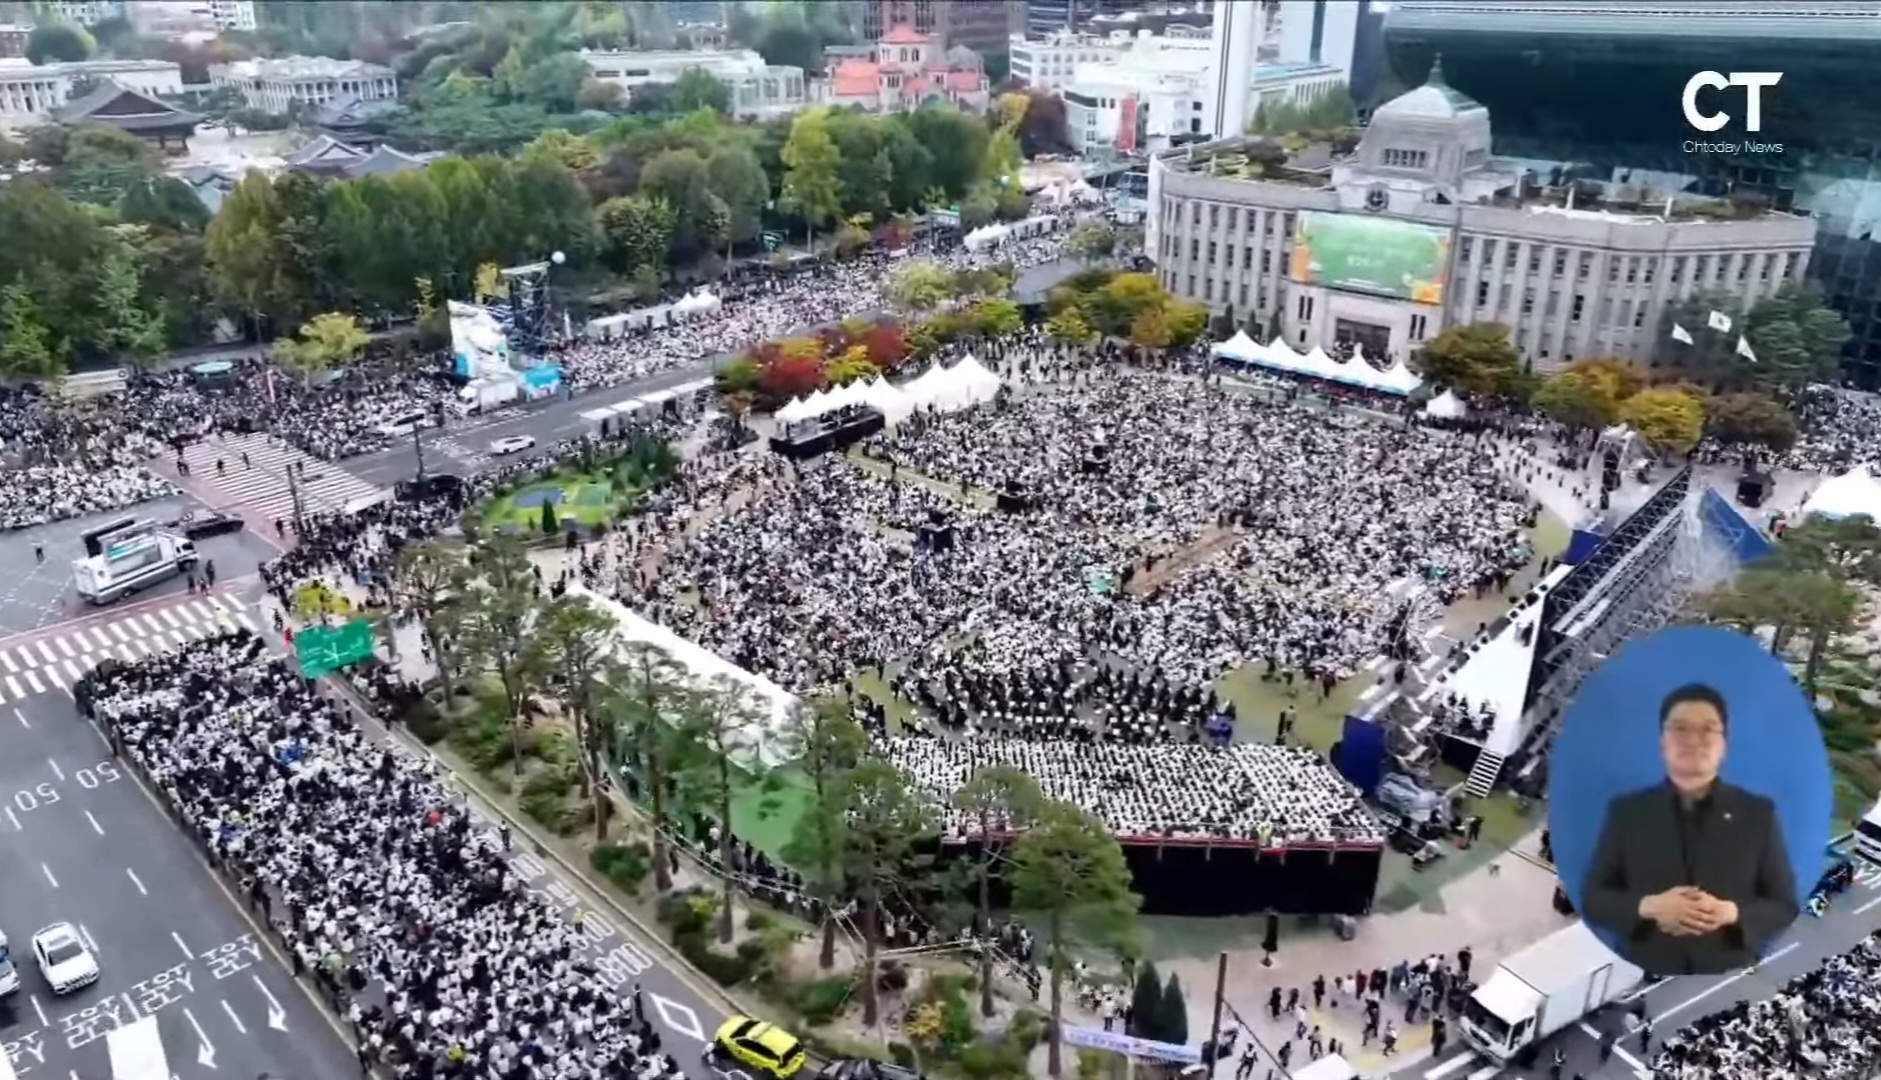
1824	1025
381	884
769	308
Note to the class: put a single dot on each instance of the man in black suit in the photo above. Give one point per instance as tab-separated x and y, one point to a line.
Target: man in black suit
1691	875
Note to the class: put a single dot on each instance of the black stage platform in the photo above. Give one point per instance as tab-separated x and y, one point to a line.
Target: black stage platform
1200	878
830	433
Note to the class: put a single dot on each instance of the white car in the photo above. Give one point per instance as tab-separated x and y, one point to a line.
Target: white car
511	444
64	958
9	974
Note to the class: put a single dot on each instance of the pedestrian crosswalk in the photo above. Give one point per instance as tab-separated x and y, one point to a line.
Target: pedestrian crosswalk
261	482
56	659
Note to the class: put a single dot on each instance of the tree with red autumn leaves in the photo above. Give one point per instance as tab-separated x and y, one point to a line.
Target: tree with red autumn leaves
789	376
887	345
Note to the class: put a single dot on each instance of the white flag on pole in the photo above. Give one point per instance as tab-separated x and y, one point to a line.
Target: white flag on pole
1743	349
1719	321
1681	335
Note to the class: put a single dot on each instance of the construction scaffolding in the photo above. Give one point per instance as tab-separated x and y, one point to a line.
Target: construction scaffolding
1637	581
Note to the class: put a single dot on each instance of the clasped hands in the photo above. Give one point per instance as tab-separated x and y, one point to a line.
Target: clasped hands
1686	911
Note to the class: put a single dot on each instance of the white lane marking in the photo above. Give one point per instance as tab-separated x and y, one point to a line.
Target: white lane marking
54	675
181	944
75	670
33	681
1651	985
85	936
1461	1061
169	616
7	659
41	1010
118	632
1487	1072
15	819
679	1017
135	880
56	771
1863	910
1720	984
98	634
64	646
13	684
95	827
18	715
44	650
234	1019
47	870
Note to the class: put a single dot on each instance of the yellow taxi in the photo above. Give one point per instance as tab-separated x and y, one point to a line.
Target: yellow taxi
764	1050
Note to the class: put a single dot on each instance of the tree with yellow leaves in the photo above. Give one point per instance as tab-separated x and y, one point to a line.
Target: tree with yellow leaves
1070	327
490	284
852	364
1670	420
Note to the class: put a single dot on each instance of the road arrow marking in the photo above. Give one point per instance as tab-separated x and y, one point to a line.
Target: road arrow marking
277	1016
234	1019
206	1053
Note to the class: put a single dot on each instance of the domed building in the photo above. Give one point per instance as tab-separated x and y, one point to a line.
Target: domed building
1420	227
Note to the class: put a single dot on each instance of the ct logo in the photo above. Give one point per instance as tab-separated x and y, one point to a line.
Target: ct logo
1753	83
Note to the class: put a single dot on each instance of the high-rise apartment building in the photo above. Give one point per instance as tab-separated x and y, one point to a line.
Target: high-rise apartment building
1600	83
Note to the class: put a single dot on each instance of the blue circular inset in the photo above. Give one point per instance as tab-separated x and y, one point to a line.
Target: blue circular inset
1610	745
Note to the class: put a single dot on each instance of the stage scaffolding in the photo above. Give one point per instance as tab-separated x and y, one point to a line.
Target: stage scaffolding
1639	580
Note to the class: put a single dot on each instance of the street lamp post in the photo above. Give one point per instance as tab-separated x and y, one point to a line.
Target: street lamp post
300	511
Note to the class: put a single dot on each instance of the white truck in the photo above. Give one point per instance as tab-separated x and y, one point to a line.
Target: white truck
487	394
1868	834
130	563
1543	989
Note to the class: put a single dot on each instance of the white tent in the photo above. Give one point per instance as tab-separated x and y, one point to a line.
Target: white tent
797	409
1446	406
1279	355
985	236
1853	493
1240	348
925	391
704	300
895	405
978	383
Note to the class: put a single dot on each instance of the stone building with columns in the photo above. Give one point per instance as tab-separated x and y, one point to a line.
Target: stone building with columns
34	93
279	87
1420	227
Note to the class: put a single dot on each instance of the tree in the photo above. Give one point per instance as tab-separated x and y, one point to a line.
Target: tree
560	145
1091	241
825	741
27	351
697	88
1789	601
1173	1013
1797	339
1477	358
1002	802
636	232
1151	330
501	620
131	331
1146	1003
1187	320
59	42
883	828
812	189
1615	378
851	364
1068	326
737	176
429	586
996	317
577	639
1751	418
1044	129
642	687
1574	399
1670	420
1070	877
716	724
920	286
325	341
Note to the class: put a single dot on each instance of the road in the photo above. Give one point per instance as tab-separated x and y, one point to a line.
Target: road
81	842
1675	1003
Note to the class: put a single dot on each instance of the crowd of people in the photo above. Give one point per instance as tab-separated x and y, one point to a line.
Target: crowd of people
378	881
1824	1025
772	306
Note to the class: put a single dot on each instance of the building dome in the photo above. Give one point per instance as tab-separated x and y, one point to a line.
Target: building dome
1435	100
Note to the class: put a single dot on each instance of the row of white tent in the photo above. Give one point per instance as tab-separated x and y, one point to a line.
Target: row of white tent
690	306
1397	379
992	235
688	394
945	389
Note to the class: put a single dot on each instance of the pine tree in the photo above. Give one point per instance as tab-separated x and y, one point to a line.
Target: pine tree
1146	1004
1173	1018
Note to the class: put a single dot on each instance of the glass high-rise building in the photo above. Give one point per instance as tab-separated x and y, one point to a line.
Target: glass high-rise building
1600	83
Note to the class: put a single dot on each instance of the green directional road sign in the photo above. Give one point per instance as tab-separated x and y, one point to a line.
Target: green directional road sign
322	649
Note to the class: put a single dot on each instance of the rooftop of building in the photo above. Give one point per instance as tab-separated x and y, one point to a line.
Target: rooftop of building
903	34
123	107
17	65
670	56
1724	19
302	67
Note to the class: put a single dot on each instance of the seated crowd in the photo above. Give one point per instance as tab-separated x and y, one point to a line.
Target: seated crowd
769	307
454	968
1824	1025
